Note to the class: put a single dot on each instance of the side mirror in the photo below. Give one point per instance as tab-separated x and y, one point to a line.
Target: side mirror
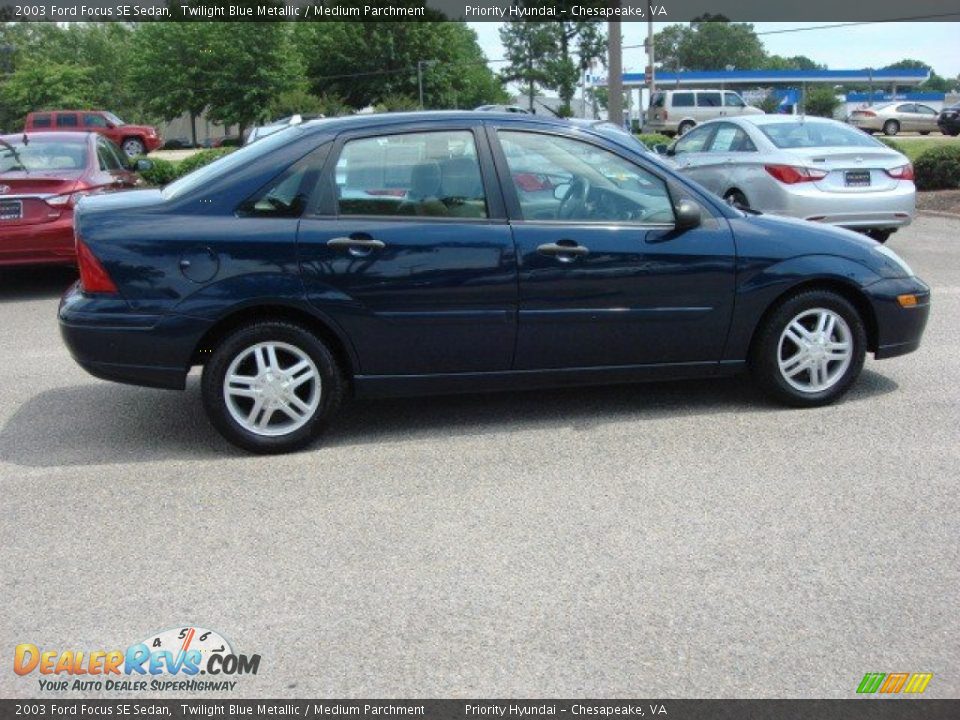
561	190
142	165
111	126
687	215
660	149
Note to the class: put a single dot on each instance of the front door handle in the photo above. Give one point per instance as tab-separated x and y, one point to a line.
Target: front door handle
564	250
356	244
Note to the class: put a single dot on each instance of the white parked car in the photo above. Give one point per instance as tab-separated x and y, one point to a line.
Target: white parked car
677	111
805	167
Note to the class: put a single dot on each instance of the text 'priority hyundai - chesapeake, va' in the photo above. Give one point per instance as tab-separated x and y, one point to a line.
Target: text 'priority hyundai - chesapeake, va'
440	252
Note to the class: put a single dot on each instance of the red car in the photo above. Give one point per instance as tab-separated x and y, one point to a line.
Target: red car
42	177
134	139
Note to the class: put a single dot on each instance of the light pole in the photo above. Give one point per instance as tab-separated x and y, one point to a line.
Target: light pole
420	65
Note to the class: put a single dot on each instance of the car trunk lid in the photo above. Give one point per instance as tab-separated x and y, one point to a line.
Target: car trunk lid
23	196
851	170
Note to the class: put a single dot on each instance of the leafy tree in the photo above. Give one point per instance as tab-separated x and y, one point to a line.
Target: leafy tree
253	63
530	50
366	62
820	100
797	62
187	48
44	86
709	45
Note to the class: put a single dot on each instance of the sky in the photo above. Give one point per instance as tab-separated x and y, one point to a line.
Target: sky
852	47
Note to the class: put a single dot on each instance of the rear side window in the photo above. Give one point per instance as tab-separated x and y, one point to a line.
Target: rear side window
68	120
708	99
108	161
41	121
434	174
683	99
287	195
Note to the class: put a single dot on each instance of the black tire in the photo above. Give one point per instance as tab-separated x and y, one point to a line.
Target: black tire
881	236
331	388
891	127
765	353
924	132
133	147
685	127
736	198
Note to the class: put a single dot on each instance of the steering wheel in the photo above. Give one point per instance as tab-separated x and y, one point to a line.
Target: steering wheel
575	201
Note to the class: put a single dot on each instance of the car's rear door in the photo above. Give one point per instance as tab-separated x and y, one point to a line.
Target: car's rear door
609	281
409	251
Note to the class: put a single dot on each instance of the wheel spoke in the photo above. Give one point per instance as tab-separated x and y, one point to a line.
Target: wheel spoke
797	333
265	418
272	361
795	365
829	326
261	357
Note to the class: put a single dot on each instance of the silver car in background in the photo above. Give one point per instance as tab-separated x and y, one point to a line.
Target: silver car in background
805	167
895	117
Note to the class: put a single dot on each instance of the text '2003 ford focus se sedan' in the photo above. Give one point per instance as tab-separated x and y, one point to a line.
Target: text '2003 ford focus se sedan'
437	252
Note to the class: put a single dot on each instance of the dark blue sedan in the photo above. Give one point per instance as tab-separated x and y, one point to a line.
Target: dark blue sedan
442	252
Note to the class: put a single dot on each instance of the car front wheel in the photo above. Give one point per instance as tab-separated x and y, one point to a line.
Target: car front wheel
891	127
810	349
133	147
270	387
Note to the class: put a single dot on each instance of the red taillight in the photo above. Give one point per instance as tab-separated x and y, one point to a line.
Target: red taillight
93	277
865	113
904	172
790	174
66	200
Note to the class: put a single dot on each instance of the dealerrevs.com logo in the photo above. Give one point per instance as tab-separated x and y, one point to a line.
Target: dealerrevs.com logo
184	659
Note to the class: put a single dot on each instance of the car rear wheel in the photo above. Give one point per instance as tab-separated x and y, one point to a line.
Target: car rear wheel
891	127
810	349
685	127
881	236
270	387
133	147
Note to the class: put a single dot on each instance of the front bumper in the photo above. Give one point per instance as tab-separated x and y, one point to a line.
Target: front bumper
112	343
899	329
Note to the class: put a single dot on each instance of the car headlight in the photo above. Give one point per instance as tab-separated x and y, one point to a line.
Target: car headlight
891	258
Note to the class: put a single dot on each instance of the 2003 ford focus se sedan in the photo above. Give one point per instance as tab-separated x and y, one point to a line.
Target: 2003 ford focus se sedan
440	252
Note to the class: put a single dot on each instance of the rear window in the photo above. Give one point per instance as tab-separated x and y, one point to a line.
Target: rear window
708	99
224	165
40	155
41	121
802	134
683	99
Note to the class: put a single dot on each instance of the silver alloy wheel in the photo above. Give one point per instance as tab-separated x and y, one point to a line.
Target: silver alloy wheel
815	350
272	388
133	148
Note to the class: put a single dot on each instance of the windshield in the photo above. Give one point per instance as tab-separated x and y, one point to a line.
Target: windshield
114	119
801	134
41	155
227	163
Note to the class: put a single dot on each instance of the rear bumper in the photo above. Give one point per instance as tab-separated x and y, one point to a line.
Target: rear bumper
49	242
114	344
892	208
899	329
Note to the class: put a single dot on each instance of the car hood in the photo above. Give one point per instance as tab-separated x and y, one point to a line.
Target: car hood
145	129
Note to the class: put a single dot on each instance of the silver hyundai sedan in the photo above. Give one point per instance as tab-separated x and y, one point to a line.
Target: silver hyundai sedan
806	167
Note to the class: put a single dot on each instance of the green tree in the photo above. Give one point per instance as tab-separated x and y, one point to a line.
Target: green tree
173	68
363	63
709	45
252	63
43	87
530	50
797	62
820	100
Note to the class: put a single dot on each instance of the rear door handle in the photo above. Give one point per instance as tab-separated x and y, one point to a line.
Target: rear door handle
564	251
356	244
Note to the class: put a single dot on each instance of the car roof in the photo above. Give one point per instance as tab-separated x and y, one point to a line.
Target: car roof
771	119
359	121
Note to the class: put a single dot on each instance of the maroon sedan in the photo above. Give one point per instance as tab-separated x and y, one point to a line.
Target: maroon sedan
42	176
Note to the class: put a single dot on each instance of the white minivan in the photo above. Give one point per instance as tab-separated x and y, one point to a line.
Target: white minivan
677	111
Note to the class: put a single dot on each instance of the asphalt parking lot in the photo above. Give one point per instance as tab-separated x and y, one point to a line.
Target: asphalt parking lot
671	540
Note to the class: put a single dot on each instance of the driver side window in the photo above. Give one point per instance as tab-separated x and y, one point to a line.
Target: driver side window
561	179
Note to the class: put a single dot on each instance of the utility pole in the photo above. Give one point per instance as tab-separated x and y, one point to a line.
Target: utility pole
615	76
652	85
420	65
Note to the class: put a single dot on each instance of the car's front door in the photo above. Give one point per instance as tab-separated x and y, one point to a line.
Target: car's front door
608	280
409	251
690	156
